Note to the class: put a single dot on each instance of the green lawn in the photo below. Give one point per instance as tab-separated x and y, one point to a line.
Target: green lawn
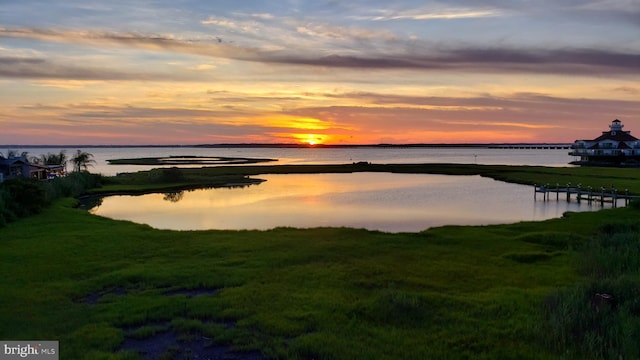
325	293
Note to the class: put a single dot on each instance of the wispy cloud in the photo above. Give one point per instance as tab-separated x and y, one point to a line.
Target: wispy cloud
41	68
202	67
153	42
501	124
588	62
341	32
584	61
628	89
617	10
235	25
434	13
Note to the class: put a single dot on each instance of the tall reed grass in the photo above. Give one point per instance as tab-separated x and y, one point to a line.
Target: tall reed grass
599	318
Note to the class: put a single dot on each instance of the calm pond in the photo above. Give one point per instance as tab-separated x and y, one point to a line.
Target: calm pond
376	201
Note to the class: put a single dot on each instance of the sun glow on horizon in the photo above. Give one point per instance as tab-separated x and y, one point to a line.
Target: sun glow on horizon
298	123
311	139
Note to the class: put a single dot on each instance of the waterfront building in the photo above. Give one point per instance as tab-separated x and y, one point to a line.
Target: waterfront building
615	147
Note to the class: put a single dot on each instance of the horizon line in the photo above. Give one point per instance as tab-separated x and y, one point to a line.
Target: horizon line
291	145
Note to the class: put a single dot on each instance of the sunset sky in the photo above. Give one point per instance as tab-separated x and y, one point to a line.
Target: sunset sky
334	72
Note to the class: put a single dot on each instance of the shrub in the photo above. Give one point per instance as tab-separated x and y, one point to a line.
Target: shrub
23	197
635	204
171	175
73	185
5	213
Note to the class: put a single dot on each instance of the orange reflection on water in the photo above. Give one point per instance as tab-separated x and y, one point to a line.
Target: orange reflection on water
380	201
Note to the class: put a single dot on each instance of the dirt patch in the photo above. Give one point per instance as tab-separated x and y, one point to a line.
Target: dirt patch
190	293
168	345
94	298
152	347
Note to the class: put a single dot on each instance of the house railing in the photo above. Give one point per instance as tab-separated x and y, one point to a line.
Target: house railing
604	152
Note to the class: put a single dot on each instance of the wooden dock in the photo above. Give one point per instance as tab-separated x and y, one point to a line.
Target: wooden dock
590	195
531	146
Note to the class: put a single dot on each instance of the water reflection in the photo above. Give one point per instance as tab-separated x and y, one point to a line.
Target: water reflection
377	201
173	196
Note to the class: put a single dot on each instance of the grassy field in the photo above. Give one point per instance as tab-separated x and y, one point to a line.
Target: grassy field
104	288
588	176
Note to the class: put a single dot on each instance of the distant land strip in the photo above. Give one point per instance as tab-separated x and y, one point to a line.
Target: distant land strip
319	146
188	160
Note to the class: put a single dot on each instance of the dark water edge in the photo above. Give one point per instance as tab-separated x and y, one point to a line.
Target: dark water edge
307	146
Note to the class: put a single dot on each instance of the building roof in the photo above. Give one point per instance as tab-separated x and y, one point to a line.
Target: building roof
616	136
14	160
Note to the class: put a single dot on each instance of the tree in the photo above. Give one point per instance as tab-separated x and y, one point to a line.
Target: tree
14	153
61	160
54	159
82	160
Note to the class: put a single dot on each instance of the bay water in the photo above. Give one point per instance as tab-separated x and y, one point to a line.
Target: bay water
318	155
375	201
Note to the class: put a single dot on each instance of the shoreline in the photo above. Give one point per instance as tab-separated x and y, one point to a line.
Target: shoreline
302	145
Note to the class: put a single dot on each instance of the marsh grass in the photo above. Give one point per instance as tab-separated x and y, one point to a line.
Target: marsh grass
618	178
484	292
580	323
290	293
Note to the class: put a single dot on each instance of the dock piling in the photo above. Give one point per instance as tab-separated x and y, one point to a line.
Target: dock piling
604	195
626	197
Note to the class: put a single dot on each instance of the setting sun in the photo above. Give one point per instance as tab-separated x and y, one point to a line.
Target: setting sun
311	139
